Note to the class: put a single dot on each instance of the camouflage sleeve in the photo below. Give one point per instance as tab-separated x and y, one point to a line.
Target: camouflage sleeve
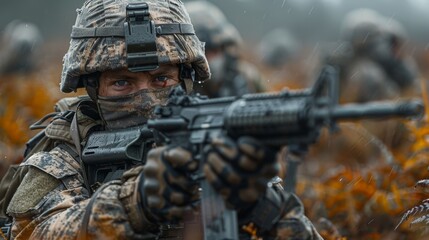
279	215
51	203
293	223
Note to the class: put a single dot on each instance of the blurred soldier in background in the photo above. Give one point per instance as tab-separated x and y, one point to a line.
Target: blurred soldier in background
277	47
19	44
281	58
373	59
374	64
231	75
379	68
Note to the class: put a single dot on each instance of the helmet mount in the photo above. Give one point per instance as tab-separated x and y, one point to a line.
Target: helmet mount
140	39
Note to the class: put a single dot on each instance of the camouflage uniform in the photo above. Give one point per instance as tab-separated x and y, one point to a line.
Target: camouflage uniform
54	201
231	74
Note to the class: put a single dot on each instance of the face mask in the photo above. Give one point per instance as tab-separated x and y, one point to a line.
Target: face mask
132	109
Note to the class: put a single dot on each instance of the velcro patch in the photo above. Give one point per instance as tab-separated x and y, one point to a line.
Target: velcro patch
35	185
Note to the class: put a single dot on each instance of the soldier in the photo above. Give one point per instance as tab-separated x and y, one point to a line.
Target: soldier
284	62
231	75
19	47
125	76
372	58
374	65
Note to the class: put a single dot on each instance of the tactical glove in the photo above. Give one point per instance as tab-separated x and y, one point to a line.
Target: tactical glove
167	190
240	171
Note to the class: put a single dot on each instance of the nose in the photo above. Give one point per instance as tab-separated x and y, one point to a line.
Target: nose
143	80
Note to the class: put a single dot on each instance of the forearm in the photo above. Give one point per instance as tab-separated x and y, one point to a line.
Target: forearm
52	206
105	215
74	217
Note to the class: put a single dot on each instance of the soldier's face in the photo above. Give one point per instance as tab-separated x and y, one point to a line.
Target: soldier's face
123	82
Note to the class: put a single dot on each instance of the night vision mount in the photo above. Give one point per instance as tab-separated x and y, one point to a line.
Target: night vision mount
140	39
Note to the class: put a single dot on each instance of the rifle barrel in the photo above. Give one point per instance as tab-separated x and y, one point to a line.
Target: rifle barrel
372	110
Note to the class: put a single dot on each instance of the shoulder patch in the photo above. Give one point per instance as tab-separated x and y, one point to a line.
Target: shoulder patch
57	163
28	197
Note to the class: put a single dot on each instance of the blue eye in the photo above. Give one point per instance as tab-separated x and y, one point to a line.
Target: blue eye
162	78
121	83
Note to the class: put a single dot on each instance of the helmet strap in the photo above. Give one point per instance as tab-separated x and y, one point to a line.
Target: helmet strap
91	84
187	77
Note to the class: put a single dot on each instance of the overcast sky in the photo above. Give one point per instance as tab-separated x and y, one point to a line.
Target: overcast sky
309	20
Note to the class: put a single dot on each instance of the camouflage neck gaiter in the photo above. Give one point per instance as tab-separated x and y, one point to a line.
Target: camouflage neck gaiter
132	109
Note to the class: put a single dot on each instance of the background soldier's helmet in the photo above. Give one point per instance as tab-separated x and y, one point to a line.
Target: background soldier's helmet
277	47
211	25
108	36
361	26
19	46
365	27
382	40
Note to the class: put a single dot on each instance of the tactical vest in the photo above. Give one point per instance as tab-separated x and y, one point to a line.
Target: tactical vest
57	134
55	131
58	130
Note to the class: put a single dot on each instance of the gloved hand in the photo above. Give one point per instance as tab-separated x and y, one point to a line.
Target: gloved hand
167	190
240	170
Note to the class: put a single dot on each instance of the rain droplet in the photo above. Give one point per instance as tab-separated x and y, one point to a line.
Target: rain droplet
311	11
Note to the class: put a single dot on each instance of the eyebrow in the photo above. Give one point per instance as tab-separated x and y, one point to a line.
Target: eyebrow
119	75
128	75
162	71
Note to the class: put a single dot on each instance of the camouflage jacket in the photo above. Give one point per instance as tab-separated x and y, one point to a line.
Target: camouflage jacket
52	201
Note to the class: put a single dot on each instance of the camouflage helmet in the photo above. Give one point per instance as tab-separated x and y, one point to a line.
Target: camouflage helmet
138	35
211	25
360	25
277	47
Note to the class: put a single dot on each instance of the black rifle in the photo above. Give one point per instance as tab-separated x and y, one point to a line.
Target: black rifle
287	118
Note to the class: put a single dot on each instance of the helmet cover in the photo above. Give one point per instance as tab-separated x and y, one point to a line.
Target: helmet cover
98	39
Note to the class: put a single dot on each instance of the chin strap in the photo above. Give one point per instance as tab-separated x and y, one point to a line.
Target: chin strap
187	77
